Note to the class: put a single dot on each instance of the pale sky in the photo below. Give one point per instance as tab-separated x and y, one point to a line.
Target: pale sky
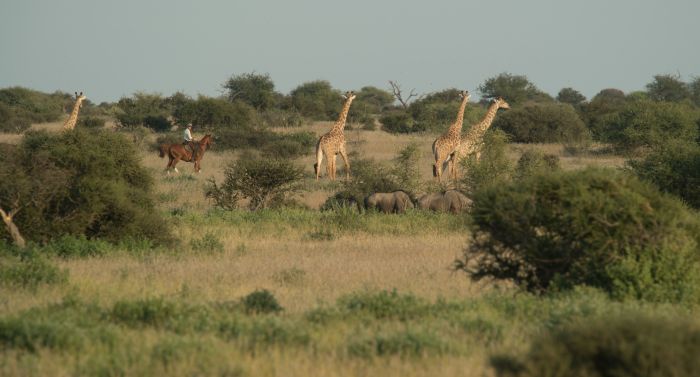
111	49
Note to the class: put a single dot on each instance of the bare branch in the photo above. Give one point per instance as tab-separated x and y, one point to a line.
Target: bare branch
396	89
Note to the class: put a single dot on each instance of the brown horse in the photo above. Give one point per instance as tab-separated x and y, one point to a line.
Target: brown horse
177	152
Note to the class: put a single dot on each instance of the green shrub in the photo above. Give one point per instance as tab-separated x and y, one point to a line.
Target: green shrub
265	182
209	242
385	304
543	123
494	167
316	100
256	90
627	346
595	227
76	246
13	120
80	183
674	167
407	343
281	118
261	302
32	335
533	162
288	146
34	106
30	270
399	121
91	122
154	312
647	124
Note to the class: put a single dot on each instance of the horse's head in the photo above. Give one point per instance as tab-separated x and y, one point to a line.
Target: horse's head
207	140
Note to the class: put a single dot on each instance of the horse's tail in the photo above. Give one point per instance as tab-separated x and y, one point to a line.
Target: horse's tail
163	150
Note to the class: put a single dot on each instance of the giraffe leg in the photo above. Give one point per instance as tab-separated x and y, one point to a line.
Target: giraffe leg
319	159
333	166
347	163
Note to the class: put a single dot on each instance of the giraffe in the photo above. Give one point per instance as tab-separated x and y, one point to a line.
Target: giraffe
333	143
70	123
444	145
471	142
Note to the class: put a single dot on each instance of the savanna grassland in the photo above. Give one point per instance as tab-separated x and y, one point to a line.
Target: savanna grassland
285	292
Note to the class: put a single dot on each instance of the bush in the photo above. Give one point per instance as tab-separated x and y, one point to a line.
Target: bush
626	346
265	182
154	312
261	302
533	162
594	227
407	343
254	89
209	242
80	183
288	146
29	271
13	120
674	167
316	100
91	122
399	121
543	123
33	106
649	124
492	168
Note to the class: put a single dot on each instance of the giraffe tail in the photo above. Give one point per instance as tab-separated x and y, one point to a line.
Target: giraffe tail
435	167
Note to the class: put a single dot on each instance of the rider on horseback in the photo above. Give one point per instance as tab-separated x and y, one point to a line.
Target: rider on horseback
189	141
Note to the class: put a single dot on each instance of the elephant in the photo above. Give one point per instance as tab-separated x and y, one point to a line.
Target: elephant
449	201
389	202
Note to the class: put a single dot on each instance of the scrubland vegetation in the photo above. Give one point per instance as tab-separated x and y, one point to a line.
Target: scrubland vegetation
580	254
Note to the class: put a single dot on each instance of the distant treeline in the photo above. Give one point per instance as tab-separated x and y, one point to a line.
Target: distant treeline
250	104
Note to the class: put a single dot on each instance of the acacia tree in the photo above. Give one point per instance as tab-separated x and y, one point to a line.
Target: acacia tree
668	88
257	90
571	96
516	89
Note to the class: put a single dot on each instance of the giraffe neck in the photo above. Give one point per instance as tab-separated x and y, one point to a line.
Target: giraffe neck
70	123
456	127
480	128
340	124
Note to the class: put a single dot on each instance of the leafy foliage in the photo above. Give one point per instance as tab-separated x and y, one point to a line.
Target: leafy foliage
79	183
674	167
533	162
543	123
261	302
264	182
494	166
593	227
648	124
668	88
632	345
316	100
571	96
257	90
516	89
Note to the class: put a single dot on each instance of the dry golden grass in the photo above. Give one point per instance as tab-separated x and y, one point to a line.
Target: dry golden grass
301	272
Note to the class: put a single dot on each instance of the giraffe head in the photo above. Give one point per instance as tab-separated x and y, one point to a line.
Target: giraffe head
79	98
349	95
464	94
501	103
